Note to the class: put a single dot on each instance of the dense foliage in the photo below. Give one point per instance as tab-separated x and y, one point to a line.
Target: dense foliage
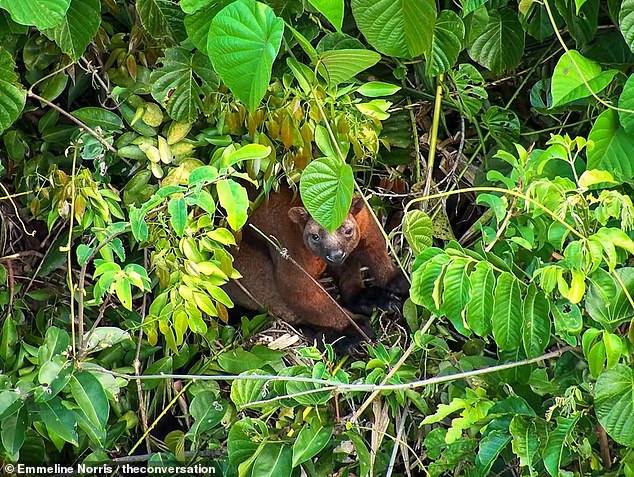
495	139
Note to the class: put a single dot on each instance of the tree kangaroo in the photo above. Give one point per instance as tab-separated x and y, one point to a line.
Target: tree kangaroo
273	281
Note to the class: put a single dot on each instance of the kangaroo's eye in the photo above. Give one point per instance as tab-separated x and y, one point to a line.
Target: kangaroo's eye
348	231
314	237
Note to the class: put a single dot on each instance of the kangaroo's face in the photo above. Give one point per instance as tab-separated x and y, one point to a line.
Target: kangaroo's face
333	247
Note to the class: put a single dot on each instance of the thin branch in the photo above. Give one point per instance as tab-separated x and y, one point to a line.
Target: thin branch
339	386
90	130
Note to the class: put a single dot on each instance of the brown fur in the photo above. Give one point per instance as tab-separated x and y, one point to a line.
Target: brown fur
289	294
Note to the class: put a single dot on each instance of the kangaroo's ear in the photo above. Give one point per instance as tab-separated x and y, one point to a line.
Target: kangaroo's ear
299	215
357	205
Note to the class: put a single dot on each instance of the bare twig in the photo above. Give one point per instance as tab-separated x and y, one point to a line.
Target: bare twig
62	111
339	386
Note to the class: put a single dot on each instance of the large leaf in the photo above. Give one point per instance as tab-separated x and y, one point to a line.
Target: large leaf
78	28
606	302
60	421
234	199
402	28
501	44
507	313
207	411
310	441
244	39
14	431
626	103
198	23
480	306
273	461
326	188
331	9
449	32
456	288
626	22
614	403
536	332
11	91
613	148
556	440
568	85
41	13
490	447
525	440
162	19
91	398
182	82
417	228
341	65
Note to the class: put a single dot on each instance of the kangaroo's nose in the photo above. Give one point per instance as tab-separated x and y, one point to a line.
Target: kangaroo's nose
336	256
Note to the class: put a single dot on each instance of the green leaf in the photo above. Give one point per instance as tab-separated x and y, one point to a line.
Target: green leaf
60	421
326	188
123	290
207	411
501	44
626	22
504	125
78	28
310	441
273	461
375	89
614	403
14	431
480	306
536	332
99	117
177	209
182	82
456	288
11	91
234	199
449	33
244	39
41	13
342	65
162	19
556	440
568	85
331	9
417	228
626	102
613	149
246	391
490	447
246	153
402	28
424	279
203	174
606	302
91	398
507	313
362	452
10	402
239	444
197	24
525	441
